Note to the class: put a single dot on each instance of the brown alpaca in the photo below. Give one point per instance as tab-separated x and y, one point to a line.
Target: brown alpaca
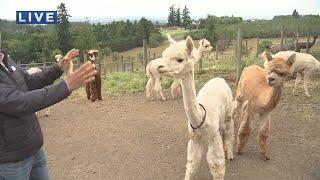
259	91
303	45
93	89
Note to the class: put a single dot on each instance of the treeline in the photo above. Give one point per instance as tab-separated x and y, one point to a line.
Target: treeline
27	43
223	29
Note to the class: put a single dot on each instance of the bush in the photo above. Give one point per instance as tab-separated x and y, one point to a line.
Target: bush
196	34
155	40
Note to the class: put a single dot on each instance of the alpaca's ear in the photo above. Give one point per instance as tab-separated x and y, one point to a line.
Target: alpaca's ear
291	60
201	42
189	44
171	41
266	55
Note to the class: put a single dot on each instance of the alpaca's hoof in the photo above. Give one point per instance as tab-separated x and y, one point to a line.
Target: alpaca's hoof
47	115
265	157
308	95
164	99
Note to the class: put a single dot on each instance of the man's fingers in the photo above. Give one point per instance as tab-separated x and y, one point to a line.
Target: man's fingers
70	70
90	74
89	80
84	66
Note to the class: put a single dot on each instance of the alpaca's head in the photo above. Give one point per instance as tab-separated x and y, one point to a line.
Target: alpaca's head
177	58
205	45
93	54
278	69
58	57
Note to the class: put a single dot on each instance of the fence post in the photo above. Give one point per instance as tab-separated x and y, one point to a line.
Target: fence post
117	66
217	52
281	44
307	48
149	56
132	69
145	54
122	64
246	47
257	53
154	55
104	67
0	41
238	53
296	43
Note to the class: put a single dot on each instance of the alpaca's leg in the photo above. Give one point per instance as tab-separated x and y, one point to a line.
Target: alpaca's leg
306	77
195	149
263	135
158	88
88	90
93	91
236	113
298	79
245	129
149	87
47	111
216	157
229	138
175	87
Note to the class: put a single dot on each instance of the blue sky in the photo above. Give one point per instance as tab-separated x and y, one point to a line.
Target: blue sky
159	8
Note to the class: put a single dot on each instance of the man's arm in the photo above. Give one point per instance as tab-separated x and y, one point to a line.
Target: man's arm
17	103
42	79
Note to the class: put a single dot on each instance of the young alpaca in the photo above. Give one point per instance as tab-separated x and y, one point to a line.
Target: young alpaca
154	76
58	58
259	91
208	113
305	65
93	89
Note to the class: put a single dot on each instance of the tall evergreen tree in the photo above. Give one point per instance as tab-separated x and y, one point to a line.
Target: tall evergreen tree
171	17
178	17
186	20
295	13
62	28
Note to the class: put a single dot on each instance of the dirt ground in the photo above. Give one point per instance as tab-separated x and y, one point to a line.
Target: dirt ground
129	137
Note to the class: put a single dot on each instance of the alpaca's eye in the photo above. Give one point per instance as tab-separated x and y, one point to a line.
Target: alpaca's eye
206	46
180	60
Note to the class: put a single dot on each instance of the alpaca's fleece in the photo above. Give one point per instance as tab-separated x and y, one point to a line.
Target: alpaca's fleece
304	65
93	89
259	91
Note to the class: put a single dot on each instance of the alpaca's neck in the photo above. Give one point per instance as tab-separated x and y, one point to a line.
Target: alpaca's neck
271	97
198	55
193	110
314	41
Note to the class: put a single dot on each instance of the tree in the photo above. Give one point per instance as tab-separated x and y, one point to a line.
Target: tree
295	13
210	26
186	20
171	17
146	27
178	17
62	28
85	38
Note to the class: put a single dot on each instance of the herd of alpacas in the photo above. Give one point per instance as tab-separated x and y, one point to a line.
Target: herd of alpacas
214	116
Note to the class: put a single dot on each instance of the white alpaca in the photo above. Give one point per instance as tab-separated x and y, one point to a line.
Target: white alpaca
154	76
34	70
209	113
305	65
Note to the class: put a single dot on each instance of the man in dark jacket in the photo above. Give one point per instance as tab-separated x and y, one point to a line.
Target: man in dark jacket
21	95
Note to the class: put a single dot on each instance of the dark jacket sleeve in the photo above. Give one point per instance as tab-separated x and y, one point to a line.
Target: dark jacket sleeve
42	79
18	103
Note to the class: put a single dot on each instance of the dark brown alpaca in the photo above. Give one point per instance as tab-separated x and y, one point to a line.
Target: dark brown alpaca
93	89
303	45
